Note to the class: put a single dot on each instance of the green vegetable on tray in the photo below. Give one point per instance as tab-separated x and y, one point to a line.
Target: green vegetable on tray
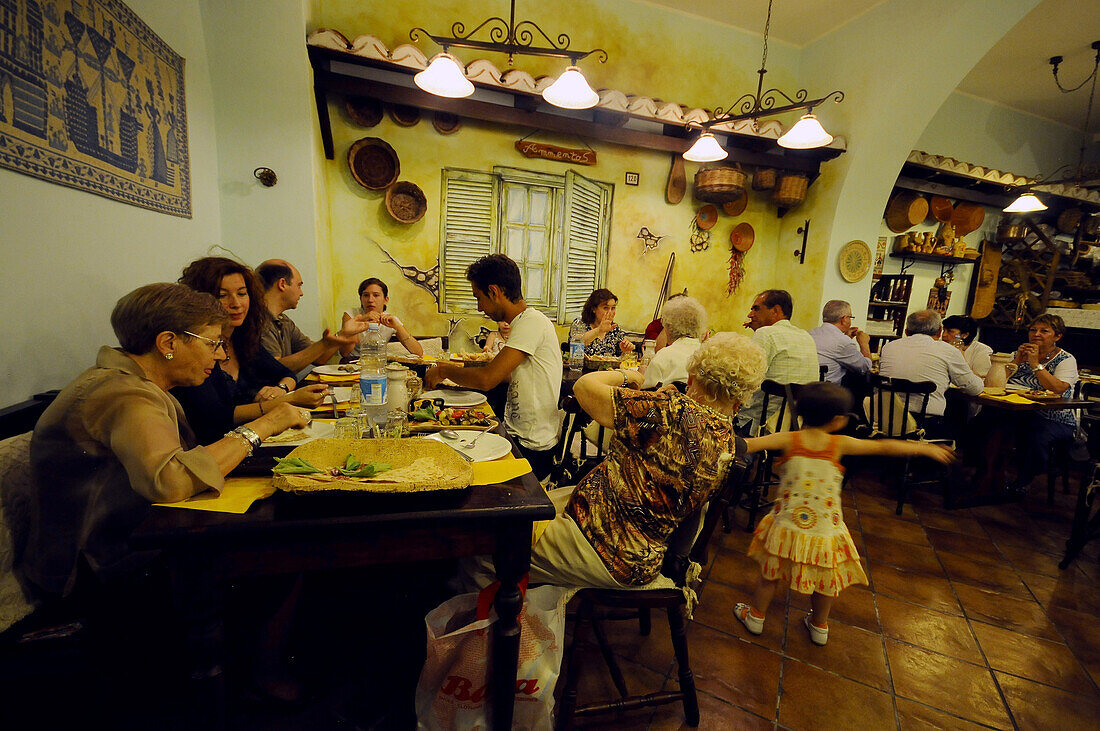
426	413
294	466
352	467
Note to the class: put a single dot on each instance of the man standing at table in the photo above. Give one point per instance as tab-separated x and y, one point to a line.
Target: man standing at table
836	349
282	338
530	360
790	351
922	356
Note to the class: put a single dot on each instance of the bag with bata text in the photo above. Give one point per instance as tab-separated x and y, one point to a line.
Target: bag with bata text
453	688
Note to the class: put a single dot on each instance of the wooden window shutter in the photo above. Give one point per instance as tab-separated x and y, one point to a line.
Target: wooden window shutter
469	232
585	233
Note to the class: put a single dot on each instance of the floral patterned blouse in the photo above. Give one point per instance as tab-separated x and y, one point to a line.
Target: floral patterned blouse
606	344
662	465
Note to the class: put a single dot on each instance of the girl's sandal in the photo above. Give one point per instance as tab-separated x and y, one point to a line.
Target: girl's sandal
743	612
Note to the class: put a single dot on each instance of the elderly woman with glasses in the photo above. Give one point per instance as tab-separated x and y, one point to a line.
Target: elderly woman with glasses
115	440
247	381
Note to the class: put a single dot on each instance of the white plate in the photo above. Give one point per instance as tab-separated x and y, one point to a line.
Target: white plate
316	430
343	395
489	447
333	370
456	398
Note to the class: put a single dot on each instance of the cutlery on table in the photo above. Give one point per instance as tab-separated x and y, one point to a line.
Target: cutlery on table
448	434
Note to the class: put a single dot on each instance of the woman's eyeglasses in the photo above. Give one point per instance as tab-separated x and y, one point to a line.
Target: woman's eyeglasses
214	344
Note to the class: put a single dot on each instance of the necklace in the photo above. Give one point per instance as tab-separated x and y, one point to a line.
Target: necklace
1050	355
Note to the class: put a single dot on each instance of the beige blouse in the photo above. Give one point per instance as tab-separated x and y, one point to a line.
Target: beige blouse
110	444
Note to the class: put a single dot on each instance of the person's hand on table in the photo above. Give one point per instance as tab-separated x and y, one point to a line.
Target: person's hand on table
938	452
432	376
269	393
282	416
310	396
626	346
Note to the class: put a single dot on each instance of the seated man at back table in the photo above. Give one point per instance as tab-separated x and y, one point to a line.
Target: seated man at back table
922	356
841	348
530	360
281	337
790	352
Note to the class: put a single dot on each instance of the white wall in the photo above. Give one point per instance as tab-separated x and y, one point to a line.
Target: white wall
66	256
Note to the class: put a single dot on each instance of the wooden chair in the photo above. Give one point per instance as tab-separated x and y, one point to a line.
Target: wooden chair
896	409
689	544
569	467
821	371
1059	461
756	492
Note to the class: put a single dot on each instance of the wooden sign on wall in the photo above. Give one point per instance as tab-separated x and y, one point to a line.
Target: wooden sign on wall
553	152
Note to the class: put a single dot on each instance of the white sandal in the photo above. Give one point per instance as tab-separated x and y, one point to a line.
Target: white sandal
743	612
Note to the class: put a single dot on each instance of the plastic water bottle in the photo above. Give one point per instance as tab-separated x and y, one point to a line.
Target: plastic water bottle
372	376
648	349
576	352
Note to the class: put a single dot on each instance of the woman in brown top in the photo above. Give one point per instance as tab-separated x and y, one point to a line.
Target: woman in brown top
115	440
669	454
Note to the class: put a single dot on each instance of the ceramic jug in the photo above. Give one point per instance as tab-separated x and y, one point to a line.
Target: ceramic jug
1000	371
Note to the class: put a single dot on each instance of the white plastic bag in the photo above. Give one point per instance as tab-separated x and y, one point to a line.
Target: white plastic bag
453	685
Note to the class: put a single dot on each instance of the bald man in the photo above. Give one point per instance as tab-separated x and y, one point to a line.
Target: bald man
281	337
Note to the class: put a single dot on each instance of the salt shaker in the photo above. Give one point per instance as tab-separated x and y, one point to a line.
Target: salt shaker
397	395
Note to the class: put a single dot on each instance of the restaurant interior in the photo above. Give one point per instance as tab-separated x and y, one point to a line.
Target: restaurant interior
306	139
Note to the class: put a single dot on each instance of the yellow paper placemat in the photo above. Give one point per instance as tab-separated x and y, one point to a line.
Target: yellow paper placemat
350	378
236	496
499	470
1012	398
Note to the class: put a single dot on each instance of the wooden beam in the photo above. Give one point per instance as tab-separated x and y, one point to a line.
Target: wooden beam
953	191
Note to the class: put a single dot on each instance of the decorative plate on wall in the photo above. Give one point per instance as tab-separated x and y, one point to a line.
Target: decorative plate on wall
854	260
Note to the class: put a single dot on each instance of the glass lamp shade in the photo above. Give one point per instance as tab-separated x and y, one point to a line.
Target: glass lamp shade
1026	203
571	91
706	149
806	134
444	77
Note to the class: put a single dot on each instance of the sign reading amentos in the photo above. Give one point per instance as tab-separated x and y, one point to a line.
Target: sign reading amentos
553	152
92	98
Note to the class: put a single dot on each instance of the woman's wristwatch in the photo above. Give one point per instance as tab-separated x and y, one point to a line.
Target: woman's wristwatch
626	379
283	386
1038	368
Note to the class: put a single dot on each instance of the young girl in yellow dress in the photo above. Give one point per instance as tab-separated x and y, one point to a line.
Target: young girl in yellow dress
803	540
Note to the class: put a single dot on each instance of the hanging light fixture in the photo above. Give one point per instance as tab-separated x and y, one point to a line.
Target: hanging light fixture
1073	175
706	149
444	76
570	91
807	133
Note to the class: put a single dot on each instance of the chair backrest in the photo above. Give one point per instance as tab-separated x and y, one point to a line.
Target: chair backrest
775	397
690	541
821	371
893	404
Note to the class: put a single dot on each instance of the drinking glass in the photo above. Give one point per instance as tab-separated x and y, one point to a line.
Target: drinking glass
347	428
397	424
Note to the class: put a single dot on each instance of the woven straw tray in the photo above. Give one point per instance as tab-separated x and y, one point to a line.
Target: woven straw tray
438	468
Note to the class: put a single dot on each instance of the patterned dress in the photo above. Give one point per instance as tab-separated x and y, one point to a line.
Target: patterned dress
606	344
804	541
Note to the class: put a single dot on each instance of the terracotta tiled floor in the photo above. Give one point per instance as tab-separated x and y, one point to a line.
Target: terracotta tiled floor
968	623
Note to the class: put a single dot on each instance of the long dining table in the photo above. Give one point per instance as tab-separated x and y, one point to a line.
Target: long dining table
287	534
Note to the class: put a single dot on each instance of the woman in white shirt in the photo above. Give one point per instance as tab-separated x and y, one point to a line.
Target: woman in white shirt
374	295
684	321
962	331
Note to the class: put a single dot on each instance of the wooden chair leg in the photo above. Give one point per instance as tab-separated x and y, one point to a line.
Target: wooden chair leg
1052	478
687	678
901	486
572	674
645	624
609	659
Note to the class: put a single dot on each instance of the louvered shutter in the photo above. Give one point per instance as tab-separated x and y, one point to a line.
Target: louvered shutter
585	232
469	232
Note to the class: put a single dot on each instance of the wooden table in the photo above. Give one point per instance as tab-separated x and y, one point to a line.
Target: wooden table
289	534
989	478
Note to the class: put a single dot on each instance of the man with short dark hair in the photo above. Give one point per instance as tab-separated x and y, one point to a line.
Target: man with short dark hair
791	352
282	338
530	360
836	349
922	356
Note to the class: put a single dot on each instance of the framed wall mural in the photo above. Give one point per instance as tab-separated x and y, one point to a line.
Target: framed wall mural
91	98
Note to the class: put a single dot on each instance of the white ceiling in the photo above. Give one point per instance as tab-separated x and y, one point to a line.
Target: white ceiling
1015	73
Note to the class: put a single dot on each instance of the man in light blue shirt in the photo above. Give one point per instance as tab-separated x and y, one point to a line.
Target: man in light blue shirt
836	349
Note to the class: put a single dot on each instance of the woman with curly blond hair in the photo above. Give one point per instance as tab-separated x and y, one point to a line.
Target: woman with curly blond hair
669	455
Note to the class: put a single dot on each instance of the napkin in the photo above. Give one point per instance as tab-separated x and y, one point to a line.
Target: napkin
349	378
236	496
1012	398
499	470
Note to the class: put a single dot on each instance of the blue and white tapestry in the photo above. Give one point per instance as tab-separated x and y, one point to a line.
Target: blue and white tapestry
92	98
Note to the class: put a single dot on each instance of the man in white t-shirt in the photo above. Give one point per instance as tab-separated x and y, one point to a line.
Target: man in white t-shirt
530	360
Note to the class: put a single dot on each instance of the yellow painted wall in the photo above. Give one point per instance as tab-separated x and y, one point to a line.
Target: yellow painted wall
651	51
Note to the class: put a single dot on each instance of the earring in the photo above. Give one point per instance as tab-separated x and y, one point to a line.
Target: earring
168	356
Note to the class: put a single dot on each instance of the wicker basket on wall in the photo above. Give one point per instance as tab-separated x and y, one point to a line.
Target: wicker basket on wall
720	184
790	190
406	202
763	179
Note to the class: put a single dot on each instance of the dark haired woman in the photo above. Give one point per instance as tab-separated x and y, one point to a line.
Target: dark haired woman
248	382
115	440
962	332
374	295
597	327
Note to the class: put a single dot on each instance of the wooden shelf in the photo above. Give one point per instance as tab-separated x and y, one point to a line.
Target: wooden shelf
882	303
937	258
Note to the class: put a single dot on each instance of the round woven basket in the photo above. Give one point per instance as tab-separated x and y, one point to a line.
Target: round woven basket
404	115
406	202
364	112
790	190
720	185
373	163
763	179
